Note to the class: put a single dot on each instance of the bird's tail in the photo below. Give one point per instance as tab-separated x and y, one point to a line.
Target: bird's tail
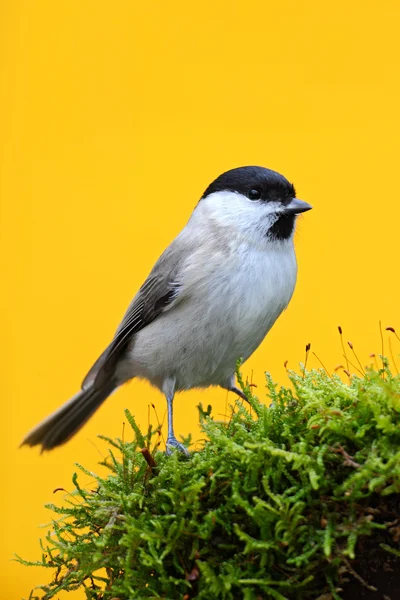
62	424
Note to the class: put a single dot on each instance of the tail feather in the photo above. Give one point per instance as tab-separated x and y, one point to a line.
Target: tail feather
61	425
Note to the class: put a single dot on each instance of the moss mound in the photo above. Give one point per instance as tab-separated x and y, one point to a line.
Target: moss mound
299	500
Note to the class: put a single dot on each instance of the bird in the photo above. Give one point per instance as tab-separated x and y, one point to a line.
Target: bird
210	300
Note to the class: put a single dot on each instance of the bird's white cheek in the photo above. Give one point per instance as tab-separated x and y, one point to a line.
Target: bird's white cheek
253	221
233	210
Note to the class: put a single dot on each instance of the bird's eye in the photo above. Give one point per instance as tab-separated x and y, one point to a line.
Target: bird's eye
254	194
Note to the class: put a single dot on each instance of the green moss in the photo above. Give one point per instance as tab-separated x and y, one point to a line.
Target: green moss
279	503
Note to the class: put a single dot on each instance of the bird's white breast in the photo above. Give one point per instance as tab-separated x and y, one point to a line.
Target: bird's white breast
230	300
260	286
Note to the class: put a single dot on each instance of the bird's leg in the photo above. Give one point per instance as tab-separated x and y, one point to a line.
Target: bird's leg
238	392
172	442
231	387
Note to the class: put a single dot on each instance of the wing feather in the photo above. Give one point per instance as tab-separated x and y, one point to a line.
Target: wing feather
158	292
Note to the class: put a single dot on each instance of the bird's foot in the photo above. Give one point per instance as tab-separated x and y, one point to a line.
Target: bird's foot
173	444
239	392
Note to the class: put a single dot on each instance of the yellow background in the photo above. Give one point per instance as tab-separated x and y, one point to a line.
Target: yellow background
114	117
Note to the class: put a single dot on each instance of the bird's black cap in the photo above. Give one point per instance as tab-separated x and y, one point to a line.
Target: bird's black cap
270	184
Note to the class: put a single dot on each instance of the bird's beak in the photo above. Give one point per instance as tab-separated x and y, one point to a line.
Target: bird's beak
297	206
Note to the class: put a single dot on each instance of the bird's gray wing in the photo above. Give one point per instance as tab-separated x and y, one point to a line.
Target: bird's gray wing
156	294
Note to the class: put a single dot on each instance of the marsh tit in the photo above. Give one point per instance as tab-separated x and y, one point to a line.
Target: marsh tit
209	300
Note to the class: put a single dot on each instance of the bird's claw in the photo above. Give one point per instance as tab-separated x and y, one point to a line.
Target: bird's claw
173	444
